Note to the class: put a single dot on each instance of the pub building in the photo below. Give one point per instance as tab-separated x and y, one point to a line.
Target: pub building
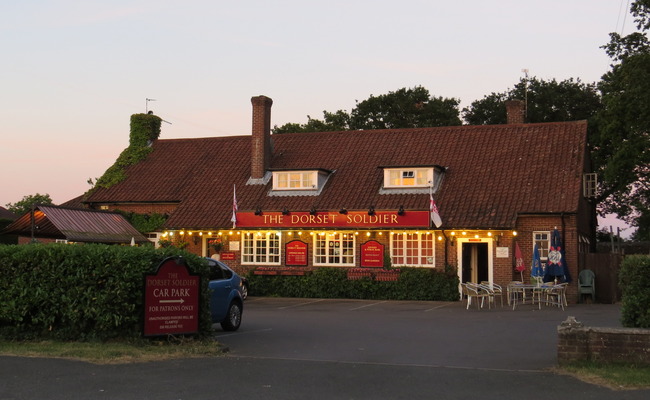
368	198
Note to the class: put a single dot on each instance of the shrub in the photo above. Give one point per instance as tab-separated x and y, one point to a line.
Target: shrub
634	280
413	284
81	292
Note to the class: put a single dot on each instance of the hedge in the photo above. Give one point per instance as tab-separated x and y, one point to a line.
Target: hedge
634	280
82	292
413	284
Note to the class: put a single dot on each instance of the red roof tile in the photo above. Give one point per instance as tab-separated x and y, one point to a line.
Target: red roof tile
493	173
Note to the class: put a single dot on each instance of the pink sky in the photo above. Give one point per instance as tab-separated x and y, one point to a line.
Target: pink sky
74	72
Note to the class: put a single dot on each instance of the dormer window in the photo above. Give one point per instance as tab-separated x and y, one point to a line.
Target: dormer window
300	182
294	180
408	177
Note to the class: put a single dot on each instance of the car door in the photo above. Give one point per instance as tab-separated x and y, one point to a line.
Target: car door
221	287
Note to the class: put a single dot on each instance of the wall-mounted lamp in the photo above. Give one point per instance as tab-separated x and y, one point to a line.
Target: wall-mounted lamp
401	210
371	210
496	237
196	239
343	211
312	211
285	211
258	211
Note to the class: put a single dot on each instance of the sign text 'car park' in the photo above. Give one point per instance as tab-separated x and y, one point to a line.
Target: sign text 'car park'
171	300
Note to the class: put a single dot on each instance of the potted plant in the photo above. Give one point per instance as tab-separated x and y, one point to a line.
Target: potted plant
216	244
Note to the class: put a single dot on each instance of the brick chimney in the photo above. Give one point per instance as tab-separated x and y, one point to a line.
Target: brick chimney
515	111
262	144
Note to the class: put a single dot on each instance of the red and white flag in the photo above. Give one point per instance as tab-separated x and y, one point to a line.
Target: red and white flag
234	207
435	216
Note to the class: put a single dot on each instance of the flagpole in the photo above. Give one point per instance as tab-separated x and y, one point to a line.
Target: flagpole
234	206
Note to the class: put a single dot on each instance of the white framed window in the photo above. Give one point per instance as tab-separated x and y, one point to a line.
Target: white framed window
590	185
407	177
413	249
261	248
543	241
295	180
334	249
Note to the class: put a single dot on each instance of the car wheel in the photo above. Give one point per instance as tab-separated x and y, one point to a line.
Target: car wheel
233	318
244	291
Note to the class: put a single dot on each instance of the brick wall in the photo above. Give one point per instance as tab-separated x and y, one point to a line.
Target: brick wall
261	141
579	343
526	225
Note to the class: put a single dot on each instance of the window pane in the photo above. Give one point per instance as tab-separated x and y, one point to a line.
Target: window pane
395	178
282	180
412	249
261	249
306	179
422	177
334	249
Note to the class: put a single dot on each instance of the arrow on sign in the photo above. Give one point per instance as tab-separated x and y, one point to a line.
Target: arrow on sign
173	301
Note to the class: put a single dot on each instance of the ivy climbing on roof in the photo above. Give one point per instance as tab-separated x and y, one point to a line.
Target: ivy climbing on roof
145	128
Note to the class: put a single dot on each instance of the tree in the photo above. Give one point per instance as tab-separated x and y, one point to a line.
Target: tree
621	149
25	205
404	108
546	101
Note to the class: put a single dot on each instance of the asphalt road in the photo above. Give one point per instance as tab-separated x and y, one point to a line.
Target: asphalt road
344	349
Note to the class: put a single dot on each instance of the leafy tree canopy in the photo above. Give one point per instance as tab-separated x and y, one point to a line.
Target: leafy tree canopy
621	148
404	108
546	101
25	205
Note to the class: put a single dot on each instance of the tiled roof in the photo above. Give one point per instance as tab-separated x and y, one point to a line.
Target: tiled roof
6	214
493	173
76	225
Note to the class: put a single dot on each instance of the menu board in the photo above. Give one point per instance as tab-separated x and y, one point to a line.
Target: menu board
372	254
296	252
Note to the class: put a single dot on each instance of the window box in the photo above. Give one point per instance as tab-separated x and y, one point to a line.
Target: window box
387	275
359	273
294	271
265	271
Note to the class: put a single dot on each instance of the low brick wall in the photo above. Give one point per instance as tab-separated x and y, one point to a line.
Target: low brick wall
579	343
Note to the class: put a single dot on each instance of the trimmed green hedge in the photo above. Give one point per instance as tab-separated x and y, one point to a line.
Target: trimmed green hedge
634	279
413	284
82	292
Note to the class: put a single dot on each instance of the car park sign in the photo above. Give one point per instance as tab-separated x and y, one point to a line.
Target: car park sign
171	300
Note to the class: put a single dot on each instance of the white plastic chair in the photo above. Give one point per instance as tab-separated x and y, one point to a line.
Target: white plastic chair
472	291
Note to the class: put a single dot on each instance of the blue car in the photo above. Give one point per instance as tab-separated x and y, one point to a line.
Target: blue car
226	302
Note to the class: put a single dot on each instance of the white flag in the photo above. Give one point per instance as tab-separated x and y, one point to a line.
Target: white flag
435	217
234	207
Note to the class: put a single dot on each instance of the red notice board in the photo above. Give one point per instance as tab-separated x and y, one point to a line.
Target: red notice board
296	252
372	254
171	303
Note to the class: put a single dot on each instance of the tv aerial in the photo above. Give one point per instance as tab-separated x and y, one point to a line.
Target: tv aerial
147	111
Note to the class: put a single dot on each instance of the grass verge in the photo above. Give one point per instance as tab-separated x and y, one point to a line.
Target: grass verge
614	376
117	352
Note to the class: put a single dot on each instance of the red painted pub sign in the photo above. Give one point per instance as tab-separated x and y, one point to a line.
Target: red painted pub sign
296	252
335	220
372	254
171	304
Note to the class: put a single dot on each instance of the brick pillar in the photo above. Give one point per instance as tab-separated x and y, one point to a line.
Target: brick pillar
261	145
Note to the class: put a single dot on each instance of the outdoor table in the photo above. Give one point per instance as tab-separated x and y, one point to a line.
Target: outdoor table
528	293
